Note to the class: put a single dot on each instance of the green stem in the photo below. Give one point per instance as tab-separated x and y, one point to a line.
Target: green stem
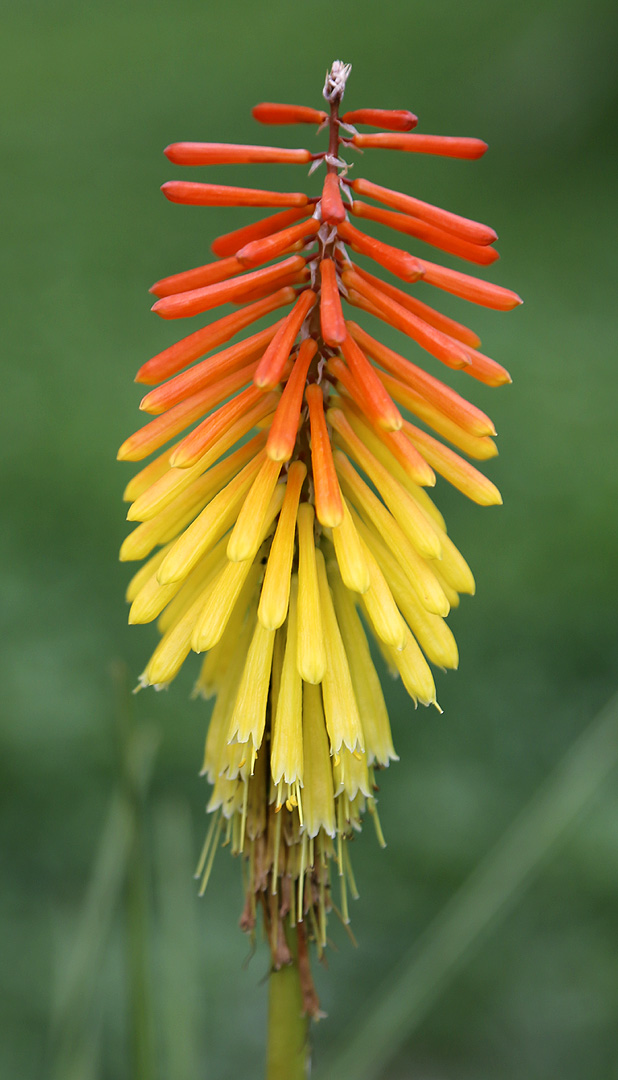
288	1029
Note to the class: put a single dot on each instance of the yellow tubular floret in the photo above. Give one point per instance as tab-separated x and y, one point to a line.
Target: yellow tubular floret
385	616
311	658
461	474
220	603
145	572
318	800
214	520
350	555
245	538
425	502
249	716
153	597
454	568
343	722
148	475
451	594
415	672
167	524
365	679
219	726
350	774
161	493
481	447
151	600
417	527
417	570
287	738
175	645
188	592
273	605
217	661
432	632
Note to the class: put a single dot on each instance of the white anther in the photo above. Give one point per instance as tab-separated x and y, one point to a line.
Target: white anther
339	162
327	233
348	127
316	164
336	78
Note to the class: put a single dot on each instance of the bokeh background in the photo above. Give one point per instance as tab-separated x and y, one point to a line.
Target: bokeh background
91	94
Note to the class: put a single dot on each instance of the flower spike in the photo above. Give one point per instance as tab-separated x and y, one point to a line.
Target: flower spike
288	494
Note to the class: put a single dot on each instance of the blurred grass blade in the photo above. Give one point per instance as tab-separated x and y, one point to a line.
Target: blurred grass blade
178	939
413	986
73	1002
74	1026
83	1062
137	747
141	749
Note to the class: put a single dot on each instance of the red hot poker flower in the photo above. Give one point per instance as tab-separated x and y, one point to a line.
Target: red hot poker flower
264	554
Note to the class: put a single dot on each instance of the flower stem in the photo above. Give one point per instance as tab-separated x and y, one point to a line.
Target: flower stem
288	1029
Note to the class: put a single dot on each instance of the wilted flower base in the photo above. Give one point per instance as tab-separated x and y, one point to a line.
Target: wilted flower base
293	904
293	519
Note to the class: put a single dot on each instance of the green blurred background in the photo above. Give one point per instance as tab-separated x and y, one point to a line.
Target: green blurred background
92	93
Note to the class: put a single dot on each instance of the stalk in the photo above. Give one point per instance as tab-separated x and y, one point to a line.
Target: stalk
288	1029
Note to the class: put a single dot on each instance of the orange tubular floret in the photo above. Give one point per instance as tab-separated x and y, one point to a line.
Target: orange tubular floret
462	412
391	258
481	447
184	352
328	502
284	427
269	247
434	341
487	371
393	119
191	194
301	277
414	464
270	368
196	279
463	227
230	243
470	288
194	153
363	372
423	311
198	441
171	423
331	315
444	145
208	371
333	210
270	112
397	442
482	254
235	289
339	369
